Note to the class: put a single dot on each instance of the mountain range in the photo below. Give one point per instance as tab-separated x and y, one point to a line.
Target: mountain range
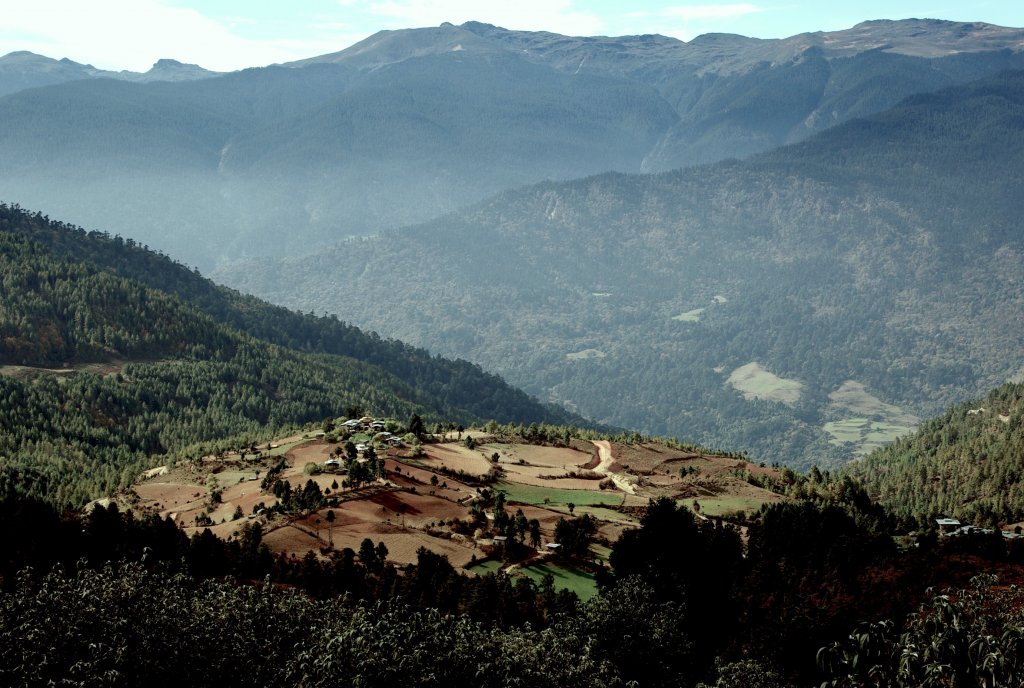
22	69
407	125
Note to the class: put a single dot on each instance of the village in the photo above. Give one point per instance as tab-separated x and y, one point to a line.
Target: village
483	499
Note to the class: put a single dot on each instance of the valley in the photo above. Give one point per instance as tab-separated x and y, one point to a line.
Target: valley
542	360
860	259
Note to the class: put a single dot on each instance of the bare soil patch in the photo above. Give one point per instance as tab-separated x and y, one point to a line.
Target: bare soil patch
455	457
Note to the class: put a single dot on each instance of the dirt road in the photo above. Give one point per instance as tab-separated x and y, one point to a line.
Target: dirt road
626	483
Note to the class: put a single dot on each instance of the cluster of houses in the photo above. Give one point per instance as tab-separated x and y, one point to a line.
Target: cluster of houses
951	527
367	424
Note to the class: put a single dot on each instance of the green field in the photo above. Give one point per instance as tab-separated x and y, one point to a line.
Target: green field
580	582
284	448
489	566
605	514
558	498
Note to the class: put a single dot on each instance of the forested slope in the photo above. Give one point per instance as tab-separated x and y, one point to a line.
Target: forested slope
169	376
966	464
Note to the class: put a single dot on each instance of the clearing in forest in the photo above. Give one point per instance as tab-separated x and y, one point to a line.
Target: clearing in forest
754	381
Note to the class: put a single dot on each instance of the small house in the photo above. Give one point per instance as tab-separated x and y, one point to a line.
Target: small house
947	525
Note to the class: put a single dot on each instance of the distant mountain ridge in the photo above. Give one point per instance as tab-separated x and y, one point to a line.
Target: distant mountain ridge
23	69
720	53
407	125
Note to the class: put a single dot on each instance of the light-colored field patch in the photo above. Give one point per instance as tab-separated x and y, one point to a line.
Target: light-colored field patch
872	422
853	398
718	298
455	457
586	354
755	382
542	466
358	520
865	434
689	316
564	458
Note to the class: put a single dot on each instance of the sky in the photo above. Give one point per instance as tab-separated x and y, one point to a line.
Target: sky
225	35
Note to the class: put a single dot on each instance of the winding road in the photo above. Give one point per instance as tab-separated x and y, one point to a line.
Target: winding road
626	483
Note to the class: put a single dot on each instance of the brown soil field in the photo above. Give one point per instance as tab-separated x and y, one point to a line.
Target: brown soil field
181	501
532	475
562	458
646	458
541	465
455	457
354	526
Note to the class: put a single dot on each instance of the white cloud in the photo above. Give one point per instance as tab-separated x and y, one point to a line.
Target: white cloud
710	12
686	21
547	15
133	34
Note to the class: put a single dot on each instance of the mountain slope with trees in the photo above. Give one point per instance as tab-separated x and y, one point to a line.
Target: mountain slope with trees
805	305
180	366
966	463
407	125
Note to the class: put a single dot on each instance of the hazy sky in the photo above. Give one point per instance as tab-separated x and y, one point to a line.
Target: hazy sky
232	34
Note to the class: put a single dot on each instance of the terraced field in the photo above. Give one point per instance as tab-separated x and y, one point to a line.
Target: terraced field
426	497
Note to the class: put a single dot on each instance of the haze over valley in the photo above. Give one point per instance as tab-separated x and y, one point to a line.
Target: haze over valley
635	300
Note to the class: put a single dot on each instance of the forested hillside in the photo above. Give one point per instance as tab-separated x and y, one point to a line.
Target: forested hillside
965	464
407	125
807	305
112	354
